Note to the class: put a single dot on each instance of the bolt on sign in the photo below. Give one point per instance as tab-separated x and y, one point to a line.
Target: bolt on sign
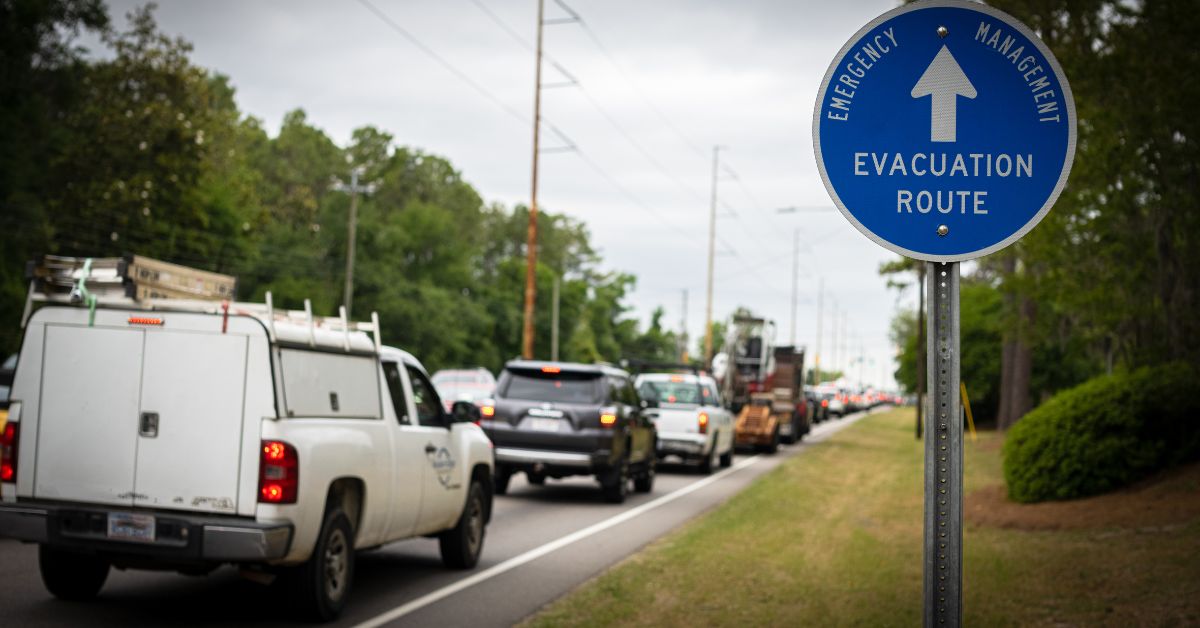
944	130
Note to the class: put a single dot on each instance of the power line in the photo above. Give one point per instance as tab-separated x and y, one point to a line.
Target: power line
587	94
513	112
591	34
449	67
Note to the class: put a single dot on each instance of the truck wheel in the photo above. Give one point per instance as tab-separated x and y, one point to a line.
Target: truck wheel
71	575
644	482
727	458
791	437
617	485
462	544
500	481
321	586
774	446
709	461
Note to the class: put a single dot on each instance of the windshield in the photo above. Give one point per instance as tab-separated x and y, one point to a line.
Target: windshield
671	392
560	387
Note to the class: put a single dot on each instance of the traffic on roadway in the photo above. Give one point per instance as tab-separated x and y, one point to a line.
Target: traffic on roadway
311	441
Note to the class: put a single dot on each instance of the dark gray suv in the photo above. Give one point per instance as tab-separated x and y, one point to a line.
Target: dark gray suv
557	419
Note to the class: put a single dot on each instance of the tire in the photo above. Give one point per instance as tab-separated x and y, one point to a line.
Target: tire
644	482
709	461
792	437
500	481
727	458
462	544
321	586
774	446
71	575
616	488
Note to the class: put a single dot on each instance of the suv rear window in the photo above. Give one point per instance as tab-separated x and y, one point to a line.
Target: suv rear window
561	387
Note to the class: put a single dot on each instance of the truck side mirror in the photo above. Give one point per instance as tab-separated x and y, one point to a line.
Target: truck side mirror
464	412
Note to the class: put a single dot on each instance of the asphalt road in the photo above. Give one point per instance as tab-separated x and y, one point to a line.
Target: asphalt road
542	543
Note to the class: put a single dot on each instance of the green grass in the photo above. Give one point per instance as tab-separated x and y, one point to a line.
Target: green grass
833	537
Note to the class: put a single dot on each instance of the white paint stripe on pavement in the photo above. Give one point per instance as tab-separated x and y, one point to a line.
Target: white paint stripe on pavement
538	552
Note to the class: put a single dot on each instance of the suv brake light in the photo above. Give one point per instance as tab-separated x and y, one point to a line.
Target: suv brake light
703	422
278	473
8	452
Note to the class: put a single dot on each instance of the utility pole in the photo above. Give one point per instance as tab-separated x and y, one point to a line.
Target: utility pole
351	230
554	323
845	350
862	358
712	250
683	335
833	344
820	312
795	280
531	238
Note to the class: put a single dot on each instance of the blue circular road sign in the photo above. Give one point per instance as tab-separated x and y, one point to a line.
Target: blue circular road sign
944	130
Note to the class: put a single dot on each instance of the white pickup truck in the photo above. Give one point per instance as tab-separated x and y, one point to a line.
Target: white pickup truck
691	423
169	436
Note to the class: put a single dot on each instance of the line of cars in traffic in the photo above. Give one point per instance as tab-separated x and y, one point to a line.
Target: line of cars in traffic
186	434
551	420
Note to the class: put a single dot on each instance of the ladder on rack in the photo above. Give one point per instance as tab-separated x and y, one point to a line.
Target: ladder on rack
140	282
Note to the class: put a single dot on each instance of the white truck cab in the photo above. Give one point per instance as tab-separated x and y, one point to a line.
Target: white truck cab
186	435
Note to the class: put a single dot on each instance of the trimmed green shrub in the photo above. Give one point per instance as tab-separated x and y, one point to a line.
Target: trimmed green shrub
1104	434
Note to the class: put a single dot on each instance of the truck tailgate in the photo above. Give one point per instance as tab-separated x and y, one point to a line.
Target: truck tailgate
141	417
676	419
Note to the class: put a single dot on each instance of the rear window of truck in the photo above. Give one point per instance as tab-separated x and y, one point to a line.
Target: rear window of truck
330	385
560	387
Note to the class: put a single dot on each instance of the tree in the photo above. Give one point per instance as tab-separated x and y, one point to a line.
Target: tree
40	77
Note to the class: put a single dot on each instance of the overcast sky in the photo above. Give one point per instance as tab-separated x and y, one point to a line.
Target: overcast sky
676	76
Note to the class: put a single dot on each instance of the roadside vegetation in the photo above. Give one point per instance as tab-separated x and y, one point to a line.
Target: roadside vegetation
1105	434
833	537
1110	279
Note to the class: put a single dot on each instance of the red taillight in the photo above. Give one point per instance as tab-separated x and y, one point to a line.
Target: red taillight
824	403
8	453
278	473
608	420
703	422
551	369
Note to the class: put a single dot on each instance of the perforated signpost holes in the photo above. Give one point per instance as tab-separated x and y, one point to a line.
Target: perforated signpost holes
944	131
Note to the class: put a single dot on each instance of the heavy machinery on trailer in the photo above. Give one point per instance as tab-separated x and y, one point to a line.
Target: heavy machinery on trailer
746	359
779	411
762	384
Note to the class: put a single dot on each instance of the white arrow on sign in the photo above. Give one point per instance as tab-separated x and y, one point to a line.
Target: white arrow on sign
945	81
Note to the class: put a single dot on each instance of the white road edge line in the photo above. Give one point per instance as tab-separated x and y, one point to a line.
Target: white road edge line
538	552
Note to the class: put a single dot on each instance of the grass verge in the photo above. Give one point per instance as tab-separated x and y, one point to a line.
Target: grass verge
833	537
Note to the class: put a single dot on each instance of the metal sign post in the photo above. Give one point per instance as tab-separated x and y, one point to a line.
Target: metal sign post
944	130
943	450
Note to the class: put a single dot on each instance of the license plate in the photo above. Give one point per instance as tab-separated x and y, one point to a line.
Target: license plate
544	425
126	526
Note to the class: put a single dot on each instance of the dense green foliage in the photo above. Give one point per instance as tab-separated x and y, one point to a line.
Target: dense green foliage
142	152
1104	434
1111	277
980	346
